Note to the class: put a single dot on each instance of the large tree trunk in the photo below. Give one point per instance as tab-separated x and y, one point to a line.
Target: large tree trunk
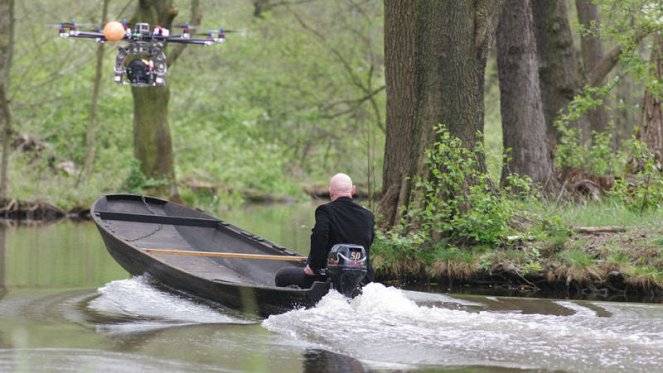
591	47
435	57
467	29
6	52
152	140
402	132
92	120
651	122
558	67
523	122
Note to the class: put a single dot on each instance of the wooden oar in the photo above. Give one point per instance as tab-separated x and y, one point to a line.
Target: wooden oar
226	255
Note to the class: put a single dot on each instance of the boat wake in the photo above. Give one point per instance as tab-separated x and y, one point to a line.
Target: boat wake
384	326
135	305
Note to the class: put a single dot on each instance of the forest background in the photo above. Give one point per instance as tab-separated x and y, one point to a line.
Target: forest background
298	92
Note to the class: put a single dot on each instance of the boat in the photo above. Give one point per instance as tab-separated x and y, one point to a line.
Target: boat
130	225
189	251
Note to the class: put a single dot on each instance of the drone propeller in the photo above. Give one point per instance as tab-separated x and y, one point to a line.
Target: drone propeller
221	31
72	24
186	26
216	35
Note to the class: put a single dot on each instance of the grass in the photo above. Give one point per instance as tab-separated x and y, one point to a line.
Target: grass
548	249
606	213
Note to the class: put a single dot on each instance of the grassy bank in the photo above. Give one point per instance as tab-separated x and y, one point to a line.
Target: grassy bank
544	254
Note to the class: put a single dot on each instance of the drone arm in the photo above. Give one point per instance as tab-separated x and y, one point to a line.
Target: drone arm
181	40
87	35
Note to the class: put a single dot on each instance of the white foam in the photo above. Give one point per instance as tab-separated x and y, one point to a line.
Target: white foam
136	298
383	325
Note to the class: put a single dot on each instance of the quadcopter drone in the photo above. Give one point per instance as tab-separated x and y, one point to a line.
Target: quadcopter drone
149	68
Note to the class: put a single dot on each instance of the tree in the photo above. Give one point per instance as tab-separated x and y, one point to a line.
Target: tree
152	140
435	58
651	122
591	48
92	120
402	149
6	51
523	121
558	70
558	66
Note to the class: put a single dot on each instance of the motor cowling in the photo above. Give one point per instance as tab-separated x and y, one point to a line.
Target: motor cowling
346	268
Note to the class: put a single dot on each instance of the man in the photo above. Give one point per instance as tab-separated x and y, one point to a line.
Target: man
339	221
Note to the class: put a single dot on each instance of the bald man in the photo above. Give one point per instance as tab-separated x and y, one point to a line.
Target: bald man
339	221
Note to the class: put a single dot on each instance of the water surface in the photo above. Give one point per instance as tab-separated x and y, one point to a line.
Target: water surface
66	305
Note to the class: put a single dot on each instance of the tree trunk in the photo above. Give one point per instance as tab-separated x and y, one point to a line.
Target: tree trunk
523	121
6	52
558	67
401	127
467	29
591	47
260	7
651	121
435	58
92	120
152	140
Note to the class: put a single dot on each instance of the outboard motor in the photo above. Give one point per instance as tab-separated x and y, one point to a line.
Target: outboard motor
346	267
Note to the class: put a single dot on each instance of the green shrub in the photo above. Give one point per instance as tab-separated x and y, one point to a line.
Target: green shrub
459	201
644	189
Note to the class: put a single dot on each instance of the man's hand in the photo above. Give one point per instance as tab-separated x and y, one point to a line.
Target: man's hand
309	271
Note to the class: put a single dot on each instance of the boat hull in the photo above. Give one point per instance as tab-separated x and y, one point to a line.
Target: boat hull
127	232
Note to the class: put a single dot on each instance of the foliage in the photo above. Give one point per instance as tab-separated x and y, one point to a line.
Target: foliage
596	157
136	182
400	255
643	190
459	202
257	113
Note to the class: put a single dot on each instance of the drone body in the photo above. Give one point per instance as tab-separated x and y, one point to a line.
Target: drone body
149	67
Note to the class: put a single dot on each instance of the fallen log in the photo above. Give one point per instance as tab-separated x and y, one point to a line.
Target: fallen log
604	229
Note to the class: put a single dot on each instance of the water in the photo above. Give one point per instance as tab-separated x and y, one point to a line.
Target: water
65	305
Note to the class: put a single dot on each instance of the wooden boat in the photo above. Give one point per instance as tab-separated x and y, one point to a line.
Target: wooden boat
143	234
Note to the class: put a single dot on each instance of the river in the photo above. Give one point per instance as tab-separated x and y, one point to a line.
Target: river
65	305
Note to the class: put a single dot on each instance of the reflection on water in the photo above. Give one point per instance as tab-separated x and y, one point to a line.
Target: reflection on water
69	306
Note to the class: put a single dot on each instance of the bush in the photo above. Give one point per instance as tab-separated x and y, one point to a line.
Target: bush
459	200
642	190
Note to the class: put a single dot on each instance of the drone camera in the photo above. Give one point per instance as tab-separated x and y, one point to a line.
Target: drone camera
140	71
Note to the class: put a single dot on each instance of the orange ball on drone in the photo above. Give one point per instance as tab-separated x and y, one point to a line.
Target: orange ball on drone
114	31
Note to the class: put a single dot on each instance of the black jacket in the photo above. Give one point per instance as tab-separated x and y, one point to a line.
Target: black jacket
340	221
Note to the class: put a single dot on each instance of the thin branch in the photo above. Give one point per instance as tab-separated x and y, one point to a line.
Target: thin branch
348	68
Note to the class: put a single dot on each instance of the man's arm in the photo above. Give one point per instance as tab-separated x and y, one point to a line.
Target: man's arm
317	257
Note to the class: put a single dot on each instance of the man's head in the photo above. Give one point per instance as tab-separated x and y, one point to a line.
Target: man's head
340	185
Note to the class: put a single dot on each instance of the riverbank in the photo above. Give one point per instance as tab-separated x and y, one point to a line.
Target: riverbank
12	209
608	264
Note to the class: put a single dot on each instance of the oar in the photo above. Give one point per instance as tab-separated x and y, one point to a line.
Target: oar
226	255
